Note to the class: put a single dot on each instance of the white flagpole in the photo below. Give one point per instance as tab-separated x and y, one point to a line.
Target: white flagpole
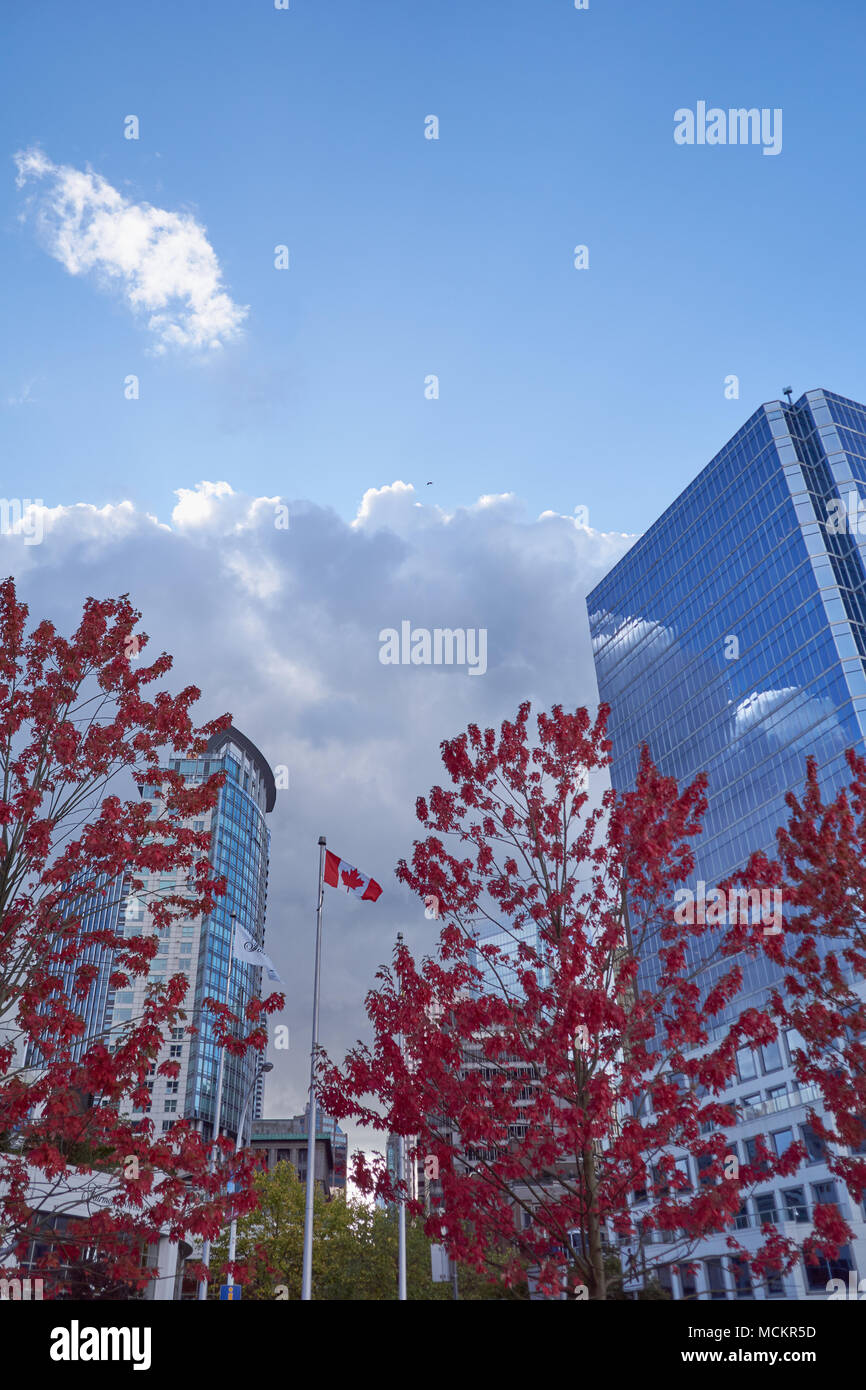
401	1174
205	1251
307	1275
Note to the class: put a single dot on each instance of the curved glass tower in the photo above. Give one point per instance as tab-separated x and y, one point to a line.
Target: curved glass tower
200	947
240	845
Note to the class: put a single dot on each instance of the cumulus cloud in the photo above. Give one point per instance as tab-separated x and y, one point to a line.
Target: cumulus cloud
787	715
281	627
161	262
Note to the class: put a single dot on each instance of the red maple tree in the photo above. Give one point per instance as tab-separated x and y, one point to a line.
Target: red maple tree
820	873
86	1188
546	1084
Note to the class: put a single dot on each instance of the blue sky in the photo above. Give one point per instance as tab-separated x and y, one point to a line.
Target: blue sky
409	257
602	387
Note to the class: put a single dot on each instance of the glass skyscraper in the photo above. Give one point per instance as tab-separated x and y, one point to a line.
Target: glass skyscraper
196	947
101	906
240	848
731	639
199	947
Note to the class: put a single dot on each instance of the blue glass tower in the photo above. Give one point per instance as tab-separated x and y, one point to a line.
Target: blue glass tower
731	639
200	947
240	847
101	906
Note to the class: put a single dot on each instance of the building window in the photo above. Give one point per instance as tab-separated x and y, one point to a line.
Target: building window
794	1041
705	1161
170	1106
665	1278
782	1141
794	1199
742	1278
771	1057
819	1275
682	1166
816	1149
824	1194
688	1283
171	1088
175	1050
765	1206
746	1064
752	1158
716	1279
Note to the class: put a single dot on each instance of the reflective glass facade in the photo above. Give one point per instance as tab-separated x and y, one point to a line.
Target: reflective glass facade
100	908
744	553
240	845
200	948
731	638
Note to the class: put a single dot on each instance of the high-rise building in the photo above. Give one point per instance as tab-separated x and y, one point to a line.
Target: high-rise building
731	639
101	906
200	947
197	947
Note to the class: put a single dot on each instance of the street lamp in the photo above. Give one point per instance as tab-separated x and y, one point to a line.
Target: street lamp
233	1229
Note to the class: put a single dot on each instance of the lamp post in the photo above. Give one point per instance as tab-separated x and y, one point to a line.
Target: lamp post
233	1228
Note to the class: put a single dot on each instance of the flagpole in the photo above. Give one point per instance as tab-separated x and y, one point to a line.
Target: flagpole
401	1209
307	1277
205	1250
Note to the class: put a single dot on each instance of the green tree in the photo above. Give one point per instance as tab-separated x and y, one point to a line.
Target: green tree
354	1250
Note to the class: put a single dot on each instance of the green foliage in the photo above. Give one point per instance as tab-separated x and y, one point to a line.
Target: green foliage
354	1250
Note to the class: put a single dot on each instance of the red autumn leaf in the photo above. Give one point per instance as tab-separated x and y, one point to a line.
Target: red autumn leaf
77	722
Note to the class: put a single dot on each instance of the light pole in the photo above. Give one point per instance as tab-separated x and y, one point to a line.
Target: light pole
233	1228
307	1266
401	1174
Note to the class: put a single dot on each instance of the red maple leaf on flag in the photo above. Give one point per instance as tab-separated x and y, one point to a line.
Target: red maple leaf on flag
352	879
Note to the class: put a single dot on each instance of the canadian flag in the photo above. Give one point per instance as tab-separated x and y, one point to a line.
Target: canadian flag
342	875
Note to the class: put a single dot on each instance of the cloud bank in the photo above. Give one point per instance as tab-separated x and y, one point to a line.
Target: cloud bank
280	625
160	262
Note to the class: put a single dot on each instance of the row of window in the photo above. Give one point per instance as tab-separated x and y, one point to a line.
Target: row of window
723	1277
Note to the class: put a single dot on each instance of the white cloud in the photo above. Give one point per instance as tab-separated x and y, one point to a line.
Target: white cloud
281	627
160	261
786	715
